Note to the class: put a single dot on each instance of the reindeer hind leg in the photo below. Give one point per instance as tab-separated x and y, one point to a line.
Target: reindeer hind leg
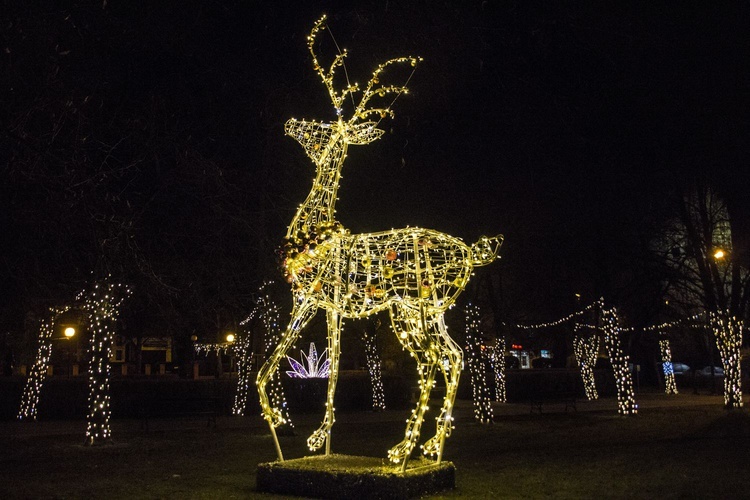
450	364
409	328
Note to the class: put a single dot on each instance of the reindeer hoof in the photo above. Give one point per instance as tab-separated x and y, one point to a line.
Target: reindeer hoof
317	439
274	417
401	451
432	446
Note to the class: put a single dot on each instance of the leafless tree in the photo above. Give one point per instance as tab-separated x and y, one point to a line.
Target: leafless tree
705	273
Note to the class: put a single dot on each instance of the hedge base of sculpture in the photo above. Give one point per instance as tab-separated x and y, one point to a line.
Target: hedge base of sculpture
347	476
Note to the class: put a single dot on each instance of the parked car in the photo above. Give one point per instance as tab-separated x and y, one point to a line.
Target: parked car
706	371
679	369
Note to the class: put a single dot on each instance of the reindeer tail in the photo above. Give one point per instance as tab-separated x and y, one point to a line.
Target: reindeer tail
485	250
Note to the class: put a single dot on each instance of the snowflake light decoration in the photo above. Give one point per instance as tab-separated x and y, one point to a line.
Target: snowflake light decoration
310	365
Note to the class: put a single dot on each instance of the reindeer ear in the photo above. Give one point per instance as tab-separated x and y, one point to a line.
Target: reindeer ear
364	133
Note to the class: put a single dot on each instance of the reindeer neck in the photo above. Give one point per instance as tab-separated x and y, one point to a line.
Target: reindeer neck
320	203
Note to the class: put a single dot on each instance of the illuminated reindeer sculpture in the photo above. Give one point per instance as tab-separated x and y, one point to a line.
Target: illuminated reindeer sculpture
416	274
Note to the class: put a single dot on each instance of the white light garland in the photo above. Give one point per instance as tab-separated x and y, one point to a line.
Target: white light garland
669	324
205	348
727	331
560	321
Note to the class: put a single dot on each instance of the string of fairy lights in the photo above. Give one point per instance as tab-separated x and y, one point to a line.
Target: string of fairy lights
586	351
270	316
670	384
261	310
374	369
101	305
497	364
478	360
38	372
620	362
729	341
560	321
727	331
243	353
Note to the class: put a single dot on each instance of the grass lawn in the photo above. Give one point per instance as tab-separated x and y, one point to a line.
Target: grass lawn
691	451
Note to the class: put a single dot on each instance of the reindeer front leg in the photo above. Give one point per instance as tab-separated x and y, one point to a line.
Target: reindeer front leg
323	434
301	315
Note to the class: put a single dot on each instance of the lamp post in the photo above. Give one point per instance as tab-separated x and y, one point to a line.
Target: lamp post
230	338
69	333
720	256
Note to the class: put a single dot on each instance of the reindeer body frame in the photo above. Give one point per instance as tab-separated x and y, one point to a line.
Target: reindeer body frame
416	274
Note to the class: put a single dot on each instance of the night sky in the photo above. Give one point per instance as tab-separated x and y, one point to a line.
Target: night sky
146	139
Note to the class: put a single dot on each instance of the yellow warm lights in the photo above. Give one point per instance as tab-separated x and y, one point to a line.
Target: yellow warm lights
478	364
620	363
266	311
101	305
38	372
728	332
374	369
497	363
586	350
415	274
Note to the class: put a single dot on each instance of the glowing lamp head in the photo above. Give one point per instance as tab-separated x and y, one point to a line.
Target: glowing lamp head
70	332
719	254
230	337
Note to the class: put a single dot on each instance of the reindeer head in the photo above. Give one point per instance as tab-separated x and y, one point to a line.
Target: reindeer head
321	139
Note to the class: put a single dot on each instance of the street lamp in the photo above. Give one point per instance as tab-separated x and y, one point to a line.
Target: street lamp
719	254
69	332
230	337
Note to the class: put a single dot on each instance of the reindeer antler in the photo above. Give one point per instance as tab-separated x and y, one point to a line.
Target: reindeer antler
359	112
381	91
328	77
